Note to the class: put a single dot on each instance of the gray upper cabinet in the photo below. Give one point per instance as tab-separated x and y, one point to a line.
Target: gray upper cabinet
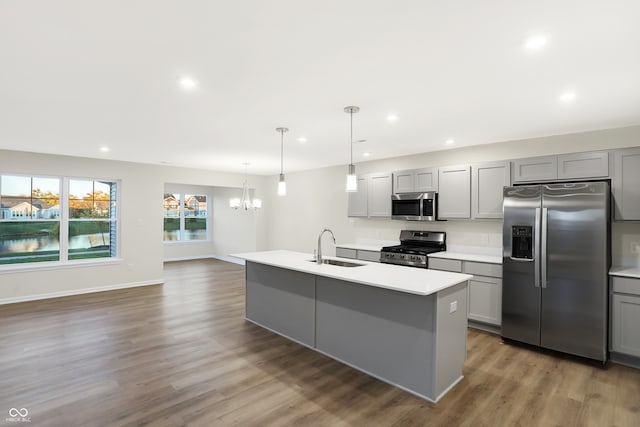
626	187
454	195
379	194
403	181
487	183
415	180
373	198
358	200
593	164
535	169
425	180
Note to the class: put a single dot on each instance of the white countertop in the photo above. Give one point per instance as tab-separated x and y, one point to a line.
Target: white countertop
633	272
418	281
491	259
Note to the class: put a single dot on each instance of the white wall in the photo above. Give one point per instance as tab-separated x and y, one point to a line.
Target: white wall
316	199
229	230
142	187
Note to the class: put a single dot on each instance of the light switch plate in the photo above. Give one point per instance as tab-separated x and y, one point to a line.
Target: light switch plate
453	307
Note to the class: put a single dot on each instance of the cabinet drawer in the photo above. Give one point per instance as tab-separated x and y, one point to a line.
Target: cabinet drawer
445	264
368	255
625	285
346	253
483	269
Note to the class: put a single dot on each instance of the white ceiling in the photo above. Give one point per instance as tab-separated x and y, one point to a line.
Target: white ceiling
78	75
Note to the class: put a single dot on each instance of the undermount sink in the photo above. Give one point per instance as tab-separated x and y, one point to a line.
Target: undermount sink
338	262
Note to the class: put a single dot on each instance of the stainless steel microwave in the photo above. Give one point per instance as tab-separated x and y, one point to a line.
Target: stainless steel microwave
415	206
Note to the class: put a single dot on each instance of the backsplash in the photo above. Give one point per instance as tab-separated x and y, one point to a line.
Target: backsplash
485	236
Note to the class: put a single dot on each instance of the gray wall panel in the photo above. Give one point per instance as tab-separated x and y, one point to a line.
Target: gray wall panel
282	300
389	334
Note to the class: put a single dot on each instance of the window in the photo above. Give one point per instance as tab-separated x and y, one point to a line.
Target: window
56	219
92	219
185	217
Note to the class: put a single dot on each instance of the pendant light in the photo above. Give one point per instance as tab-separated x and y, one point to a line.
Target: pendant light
352	179
245	202
282	185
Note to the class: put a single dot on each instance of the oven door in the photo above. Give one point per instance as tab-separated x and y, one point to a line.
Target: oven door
407	206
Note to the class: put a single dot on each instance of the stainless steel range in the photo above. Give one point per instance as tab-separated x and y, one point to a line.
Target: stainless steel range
414	247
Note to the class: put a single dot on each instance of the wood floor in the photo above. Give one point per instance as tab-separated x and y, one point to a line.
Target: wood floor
182	354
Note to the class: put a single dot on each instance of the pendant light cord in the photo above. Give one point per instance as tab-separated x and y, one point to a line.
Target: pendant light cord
351	116
281	151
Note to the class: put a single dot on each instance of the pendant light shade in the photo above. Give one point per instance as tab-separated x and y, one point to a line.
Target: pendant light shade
282	185
352	179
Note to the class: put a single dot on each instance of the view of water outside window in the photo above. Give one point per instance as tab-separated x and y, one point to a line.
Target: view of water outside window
30	219
91	218
185	217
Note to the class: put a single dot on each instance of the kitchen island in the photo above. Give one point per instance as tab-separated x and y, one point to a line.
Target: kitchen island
406	326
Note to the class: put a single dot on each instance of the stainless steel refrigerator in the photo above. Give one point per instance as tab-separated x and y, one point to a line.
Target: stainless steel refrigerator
556	259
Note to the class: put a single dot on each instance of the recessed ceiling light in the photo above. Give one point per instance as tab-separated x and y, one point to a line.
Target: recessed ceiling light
567	97
104	149
188	82
302	139
392	117
366	154
450	141
536	42
360	141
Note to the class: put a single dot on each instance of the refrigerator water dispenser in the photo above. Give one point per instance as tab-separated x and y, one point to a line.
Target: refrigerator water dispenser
522	243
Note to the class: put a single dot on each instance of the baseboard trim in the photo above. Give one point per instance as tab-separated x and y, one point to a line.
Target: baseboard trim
188	258
14	300
226	258
231	259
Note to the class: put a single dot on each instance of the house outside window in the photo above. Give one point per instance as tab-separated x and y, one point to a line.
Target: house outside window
56	219
185	217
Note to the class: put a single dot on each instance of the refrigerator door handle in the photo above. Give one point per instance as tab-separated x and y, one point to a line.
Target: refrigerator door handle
536	250
543	248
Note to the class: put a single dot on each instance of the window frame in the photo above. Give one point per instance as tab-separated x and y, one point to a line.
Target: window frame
181	203
64	220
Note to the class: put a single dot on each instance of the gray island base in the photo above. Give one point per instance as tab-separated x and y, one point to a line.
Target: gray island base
414	342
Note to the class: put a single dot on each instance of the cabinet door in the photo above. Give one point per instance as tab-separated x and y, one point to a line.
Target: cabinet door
626	190
487	183
403	181
379	195
358	199
485	300
583	165
625	318
425	180
454	195
535	169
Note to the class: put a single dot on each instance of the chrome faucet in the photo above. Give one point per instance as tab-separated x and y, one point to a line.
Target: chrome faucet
319	253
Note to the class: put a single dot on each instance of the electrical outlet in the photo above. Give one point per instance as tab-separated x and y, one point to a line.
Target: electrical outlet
635	248
453	307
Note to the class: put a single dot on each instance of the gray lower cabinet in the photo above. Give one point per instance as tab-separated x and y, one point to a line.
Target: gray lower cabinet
485	289
360	254
626	187
487	183
454	194
625	316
